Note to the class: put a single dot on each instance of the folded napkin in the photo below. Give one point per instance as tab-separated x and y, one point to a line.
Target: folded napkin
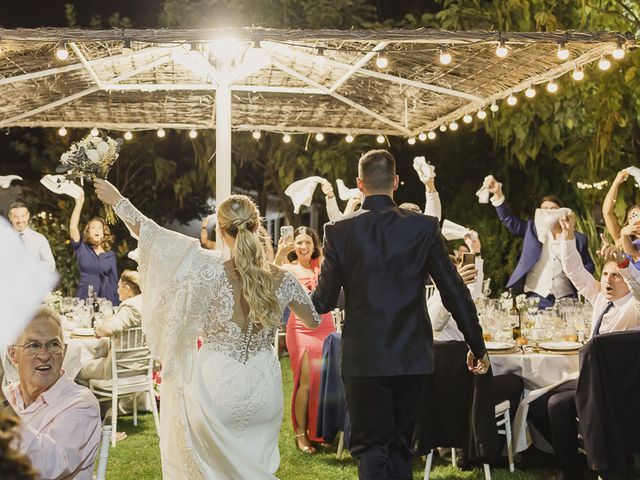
301	191
453	231
5	180
24	281
546	219
346	193
425	170
634	172
60	185
483	193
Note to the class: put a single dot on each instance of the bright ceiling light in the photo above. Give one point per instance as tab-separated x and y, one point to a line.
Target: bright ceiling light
62	131
319	137
494	107
94	132
161	133
61	52
511	100
227	48
286	138
349	138
502	50
604	64
618	53
256	134
563	51
431	135
422	136
382	61
320	58
128	135
443	128
481	114
453	126
530	92
467	118
380	139
193	133
552	87
578	74
445	56
411	141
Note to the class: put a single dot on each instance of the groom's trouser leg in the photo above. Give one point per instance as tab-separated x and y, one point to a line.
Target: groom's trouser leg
382	413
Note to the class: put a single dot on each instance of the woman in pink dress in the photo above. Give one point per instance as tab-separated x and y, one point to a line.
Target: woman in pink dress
303	257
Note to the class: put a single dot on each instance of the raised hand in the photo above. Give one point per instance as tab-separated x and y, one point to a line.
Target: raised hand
472	241
327	188
568	226
106	192
609	252
621	177
468	273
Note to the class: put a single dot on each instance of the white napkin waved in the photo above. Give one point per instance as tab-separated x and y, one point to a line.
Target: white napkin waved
425	170
60	185
483	193
634	172
546	219
453	231
301	191
5	180
346	193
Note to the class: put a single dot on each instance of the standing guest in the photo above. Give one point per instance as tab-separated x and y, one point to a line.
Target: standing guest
539	270
615	300
96	261
381	255
303	258
127	315
60	420
35	243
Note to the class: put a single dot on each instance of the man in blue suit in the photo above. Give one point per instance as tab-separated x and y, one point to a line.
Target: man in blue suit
539	269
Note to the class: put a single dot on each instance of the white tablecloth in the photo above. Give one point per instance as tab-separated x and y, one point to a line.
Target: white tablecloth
541	372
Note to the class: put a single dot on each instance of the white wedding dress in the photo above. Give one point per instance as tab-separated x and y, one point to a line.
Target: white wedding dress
221	406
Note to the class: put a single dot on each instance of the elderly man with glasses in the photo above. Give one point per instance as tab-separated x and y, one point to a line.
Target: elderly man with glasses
60	429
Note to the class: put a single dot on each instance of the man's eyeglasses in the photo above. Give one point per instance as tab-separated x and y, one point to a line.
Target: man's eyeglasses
54	347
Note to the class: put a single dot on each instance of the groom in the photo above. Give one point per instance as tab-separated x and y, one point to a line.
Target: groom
381	255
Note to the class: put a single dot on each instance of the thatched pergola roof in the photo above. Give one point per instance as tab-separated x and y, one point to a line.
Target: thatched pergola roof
282	81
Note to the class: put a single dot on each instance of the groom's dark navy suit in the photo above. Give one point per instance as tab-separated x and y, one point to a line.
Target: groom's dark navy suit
381	256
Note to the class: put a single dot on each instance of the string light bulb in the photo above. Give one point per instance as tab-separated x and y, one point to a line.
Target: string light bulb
494	107
618	52
431	135
411	140
320	58
319	137
382	61
563	51
502	50
126	47
256	134
349	138
422	136
128	135
511	100
62	131
380	139
445	56
530	92
578	74
193	133
286	138
443	128
94	132
161	133
604	63
481	114
467	118
453	126
552	87
62	53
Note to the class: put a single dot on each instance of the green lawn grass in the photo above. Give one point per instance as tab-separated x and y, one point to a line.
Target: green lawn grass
138	456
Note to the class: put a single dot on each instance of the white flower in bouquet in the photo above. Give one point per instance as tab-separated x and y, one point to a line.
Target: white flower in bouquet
521	301
93	155
102	148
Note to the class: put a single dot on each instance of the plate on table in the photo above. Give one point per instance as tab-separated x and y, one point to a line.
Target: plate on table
498	345
82	332
560	346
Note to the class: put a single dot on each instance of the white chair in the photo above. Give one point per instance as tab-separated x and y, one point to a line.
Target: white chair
132	373
103	454
503	420
430	289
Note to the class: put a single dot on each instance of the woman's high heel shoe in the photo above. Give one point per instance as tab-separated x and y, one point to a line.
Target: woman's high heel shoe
308	449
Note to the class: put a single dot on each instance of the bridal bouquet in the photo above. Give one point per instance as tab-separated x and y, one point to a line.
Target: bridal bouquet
92	157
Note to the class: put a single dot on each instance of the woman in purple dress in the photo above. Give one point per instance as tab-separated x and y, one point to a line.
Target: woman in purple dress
96	261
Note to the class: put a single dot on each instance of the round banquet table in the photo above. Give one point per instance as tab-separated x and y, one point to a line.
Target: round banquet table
538	370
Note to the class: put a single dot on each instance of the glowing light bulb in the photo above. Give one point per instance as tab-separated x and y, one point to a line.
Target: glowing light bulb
618	53
94	132
481	114
494	107
193	133
319	137
467	118
380	139
511	100
286	138
62	53
128	135
453	126
382	61
443	128
431	135
411	141
256	134
445	56
502	50
422	136
604	64
578	74
552	87
320	60
530	92
349	138
563	51
161	133
62	131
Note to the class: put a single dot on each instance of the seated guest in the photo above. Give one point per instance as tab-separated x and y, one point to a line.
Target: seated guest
36	244
615	308
60	429
128	315
13	464
539	271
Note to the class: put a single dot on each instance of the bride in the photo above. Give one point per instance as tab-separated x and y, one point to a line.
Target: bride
221	405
